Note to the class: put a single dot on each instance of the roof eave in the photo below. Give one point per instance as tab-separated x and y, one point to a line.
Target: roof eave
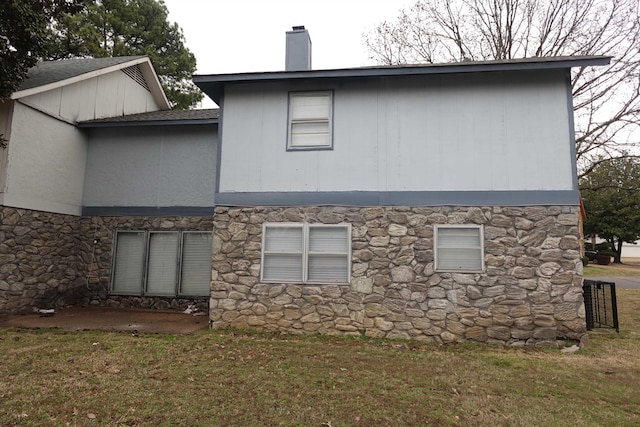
213	85
149	73
118	124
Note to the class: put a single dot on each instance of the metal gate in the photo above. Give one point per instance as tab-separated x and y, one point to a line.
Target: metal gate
601	307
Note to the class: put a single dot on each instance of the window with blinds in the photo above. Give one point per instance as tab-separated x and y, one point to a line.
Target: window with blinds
306	253
162	263
459	248
128	270
310	120
195	277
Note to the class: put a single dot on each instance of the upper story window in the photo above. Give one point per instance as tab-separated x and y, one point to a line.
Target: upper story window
310	121
459	248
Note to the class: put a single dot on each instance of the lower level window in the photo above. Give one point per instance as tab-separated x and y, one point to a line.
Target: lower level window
306	253
459	248
162	263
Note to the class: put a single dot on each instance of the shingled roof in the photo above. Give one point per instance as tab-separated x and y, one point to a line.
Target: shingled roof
153	118
55	71
50	75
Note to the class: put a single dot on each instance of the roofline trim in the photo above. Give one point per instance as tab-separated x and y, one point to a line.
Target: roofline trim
156	89
117	124
388	71
215	82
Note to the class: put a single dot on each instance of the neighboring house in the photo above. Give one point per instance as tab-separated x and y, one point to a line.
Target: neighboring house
95	153
428	202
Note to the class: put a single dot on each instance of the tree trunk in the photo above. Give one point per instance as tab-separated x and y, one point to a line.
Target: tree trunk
618	255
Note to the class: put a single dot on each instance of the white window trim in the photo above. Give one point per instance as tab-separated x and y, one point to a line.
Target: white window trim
305	251
329	120
147	241
436	247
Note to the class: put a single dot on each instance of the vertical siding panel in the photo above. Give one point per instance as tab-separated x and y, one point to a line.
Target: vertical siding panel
49	101
493	131
107	96
78	100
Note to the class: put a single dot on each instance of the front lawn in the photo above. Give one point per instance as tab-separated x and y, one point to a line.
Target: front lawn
54	378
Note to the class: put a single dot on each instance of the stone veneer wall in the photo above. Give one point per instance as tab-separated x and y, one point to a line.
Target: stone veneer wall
101	230
530	292
43	260
48	260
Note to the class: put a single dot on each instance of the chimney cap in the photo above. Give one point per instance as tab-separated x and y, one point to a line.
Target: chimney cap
297	27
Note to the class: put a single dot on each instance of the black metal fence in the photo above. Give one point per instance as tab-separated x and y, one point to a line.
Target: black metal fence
600	304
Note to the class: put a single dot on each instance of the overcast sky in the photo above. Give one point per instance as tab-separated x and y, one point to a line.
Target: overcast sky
235	36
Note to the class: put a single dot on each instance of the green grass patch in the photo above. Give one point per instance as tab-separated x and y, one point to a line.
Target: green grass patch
54	378
594	270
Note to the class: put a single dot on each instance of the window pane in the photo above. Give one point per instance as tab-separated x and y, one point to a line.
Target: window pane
305	107
310	140
459	237
459	259
283	239
196	264
310	128
163	255
287	268
459	248
328	239
328	268
129	263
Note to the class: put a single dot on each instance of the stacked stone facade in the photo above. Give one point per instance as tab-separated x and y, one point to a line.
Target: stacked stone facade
529	293
48	260
43	260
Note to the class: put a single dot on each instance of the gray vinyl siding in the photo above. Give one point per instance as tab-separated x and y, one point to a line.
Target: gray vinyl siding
151	166
501	131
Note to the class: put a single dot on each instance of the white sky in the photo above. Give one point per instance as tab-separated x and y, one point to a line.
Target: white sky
235	36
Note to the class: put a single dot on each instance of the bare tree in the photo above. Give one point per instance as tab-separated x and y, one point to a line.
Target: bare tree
606	99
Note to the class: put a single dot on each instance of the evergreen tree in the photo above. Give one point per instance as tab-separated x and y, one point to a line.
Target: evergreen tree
23	25
130	27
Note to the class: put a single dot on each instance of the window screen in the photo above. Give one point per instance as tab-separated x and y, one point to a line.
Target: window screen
196	264
283	253
328	254
162	264
310	120
304	253
129	263
459	248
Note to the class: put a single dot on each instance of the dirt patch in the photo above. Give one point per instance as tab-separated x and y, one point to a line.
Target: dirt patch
630	263
81	318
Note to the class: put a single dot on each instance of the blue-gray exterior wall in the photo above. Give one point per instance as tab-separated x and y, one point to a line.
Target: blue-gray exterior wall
155	170
493	138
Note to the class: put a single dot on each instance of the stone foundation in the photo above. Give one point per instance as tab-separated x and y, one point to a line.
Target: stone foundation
48	260
43	260
530	292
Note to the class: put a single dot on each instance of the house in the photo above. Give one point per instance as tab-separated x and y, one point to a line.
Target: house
436	202
426	202
104	191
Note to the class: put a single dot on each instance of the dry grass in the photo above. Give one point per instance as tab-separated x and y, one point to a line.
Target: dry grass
53	378
629	267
